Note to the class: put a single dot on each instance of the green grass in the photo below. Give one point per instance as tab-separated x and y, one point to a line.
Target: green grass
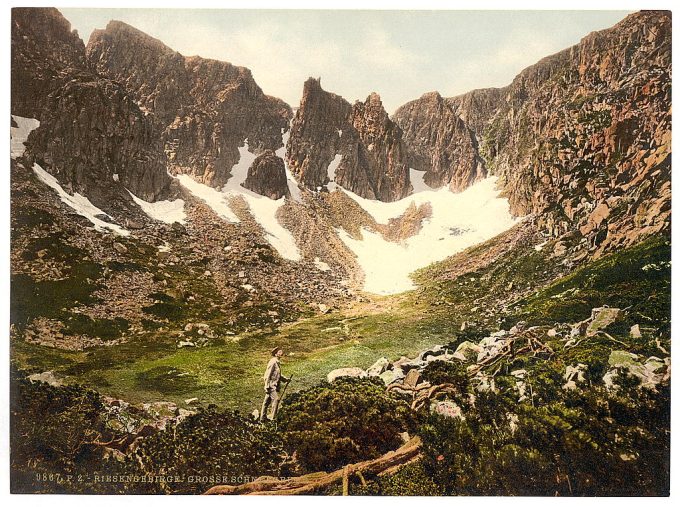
228	372
637	278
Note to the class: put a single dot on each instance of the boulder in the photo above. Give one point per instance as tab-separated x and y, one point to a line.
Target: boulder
391	376
47	376
346	372
648	372
579	329
601	318
412	378
635	331
459	356
378	367
469	350
267	176
120	248
574	374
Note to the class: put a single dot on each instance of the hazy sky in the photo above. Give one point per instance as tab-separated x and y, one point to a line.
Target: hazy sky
399	54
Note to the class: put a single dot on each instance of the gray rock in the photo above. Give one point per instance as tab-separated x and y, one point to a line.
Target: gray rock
346	372
469	350
573	375
635	331
47	376
601	318
391	376
378	367
120	248
579	329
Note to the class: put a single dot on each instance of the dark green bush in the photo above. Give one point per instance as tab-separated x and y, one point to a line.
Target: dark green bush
589	442
206	448
51	431
444	372
409	480
347	421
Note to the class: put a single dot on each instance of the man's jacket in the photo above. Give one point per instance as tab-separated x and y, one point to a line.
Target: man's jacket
272	375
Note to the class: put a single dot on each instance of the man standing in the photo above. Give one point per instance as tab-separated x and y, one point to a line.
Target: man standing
272	381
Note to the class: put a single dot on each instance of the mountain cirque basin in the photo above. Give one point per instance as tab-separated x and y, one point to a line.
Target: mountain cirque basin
491	267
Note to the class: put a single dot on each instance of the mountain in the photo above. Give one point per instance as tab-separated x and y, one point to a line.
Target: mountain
203	109
581	139
93	136
356	146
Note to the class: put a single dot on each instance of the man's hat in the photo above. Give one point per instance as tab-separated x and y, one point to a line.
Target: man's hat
275	350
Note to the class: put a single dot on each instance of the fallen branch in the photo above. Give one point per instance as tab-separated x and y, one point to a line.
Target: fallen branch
658	345
310	483
613	339
436	390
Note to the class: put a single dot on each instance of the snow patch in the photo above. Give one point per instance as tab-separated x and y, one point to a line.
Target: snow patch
293	186
320	265
19	134
79	203
418	181
333	166
458	221
262	208
163	211
213	198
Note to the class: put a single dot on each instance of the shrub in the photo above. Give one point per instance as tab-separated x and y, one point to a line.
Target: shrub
210	446
347	421
51	431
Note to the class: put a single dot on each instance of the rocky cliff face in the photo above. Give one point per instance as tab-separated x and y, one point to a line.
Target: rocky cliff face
44	52
581	139
358	146
440	143
93	137
204	109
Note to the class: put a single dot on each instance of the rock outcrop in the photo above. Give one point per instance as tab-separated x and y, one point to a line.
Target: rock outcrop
581	139
92	137
267	176
204	109
440	143
357	146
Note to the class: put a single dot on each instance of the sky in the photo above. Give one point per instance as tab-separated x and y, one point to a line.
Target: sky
398	54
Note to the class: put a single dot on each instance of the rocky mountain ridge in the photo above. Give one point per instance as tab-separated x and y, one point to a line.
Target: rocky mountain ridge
203	109
580	139
356	146
93	137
